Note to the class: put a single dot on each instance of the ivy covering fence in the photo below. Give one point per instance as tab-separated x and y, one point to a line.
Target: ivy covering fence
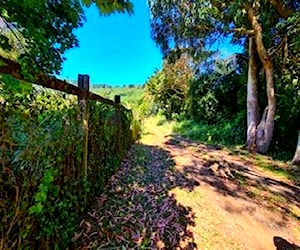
44	188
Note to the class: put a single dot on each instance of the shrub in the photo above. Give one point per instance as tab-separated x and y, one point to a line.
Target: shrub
225	132
43	186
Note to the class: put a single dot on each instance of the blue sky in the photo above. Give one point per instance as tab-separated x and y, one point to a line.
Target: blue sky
114	50
118	49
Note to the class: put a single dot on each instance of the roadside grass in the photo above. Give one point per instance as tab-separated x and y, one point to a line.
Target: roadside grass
216	148
278	168
224	133
230	137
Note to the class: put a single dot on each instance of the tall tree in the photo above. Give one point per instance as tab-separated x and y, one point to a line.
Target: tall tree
265	128
45	28
253	111
296	159
189	26
169	86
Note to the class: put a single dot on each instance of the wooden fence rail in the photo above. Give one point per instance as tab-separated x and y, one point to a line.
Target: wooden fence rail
13	68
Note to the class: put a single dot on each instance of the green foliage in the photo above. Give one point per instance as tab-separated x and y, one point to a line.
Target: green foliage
213	97
169	87
107	7
192	26
287	88
44	29
182	25
42	182
206	107
225	132
288	112
4	42
131	96
202	103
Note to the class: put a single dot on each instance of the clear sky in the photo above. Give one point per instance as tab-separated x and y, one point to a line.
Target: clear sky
114	50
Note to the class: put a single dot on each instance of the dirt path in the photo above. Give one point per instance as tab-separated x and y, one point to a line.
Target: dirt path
172	193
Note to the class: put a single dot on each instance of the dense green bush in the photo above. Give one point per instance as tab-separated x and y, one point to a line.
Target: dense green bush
213	97
225	132
43	187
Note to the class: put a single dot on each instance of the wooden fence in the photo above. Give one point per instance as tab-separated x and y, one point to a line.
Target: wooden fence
12	68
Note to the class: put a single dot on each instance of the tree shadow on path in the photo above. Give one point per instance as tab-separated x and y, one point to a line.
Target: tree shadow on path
136	210
282	244
231	175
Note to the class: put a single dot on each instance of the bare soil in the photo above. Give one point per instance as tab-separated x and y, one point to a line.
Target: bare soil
174	193
228	216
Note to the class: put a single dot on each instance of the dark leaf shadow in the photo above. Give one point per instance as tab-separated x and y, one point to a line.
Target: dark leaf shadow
282	244
236	178
136	210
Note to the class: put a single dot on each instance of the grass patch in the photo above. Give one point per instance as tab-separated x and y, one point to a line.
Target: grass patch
254	192
278	168
224	133
242	180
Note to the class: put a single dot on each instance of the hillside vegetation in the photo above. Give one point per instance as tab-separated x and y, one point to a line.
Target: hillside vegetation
131	95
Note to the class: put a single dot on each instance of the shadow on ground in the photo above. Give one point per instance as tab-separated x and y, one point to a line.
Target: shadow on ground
231	175
136	210
282	244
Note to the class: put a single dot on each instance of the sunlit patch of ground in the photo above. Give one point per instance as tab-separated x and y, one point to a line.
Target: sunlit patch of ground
209	231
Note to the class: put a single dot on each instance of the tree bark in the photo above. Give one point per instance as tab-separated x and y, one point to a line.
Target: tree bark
282	9
296	159
264	133
252	96
265	128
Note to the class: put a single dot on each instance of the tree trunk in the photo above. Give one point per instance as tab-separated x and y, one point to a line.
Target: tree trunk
252	96
296	159
264	132
265	128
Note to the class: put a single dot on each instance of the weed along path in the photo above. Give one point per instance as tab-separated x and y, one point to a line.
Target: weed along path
172	193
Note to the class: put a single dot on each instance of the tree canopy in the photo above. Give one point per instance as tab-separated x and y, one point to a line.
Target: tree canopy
44	28
266	29
169	86
191	25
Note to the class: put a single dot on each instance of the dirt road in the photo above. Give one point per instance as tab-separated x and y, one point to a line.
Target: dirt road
172	193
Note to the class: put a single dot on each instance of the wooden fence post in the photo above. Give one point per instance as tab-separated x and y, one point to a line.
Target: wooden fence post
84	83
117	99
118	114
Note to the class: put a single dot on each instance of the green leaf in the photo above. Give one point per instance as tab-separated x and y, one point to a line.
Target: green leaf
16	87
4	42
87	3
36	209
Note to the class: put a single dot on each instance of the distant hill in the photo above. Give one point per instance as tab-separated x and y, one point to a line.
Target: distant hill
131	95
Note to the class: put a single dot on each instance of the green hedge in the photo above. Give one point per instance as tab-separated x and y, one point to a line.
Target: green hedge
226	132
42	182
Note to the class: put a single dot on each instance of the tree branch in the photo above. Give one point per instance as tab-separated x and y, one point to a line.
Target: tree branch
243	31
263	54
13	32
283	10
